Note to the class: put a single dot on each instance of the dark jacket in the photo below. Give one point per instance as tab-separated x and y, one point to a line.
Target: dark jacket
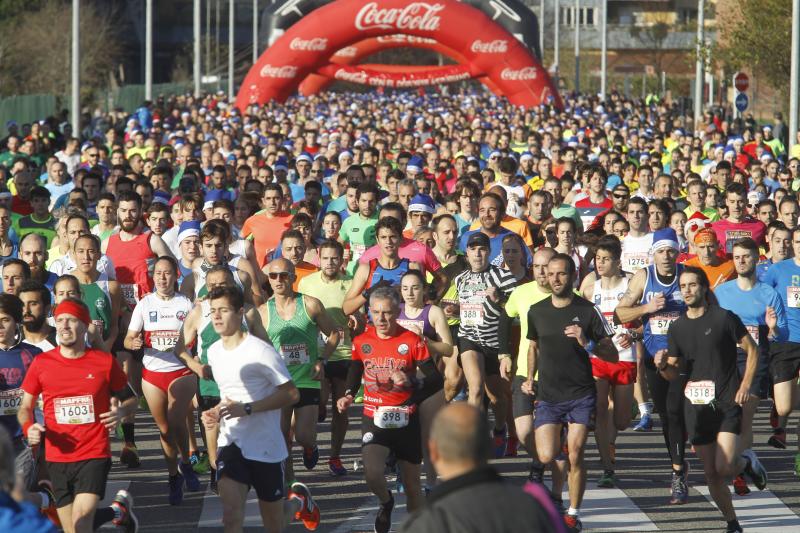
481	501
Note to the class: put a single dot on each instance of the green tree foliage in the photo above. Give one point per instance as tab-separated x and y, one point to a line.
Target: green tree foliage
755	35
35	47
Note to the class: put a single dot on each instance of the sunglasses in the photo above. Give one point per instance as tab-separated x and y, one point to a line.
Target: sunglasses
621	196
283	276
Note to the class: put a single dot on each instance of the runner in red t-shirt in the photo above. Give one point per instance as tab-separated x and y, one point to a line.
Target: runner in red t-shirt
387	356
76	384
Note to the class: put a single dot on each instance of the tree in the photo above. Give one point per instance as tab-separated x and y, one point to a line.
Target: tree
35	49
755	34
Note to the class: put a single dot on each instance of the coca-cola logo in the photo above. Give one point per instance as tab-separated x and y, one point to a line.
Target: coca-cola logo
348	51
317	44
414	16
286	71
401	38
527	73
498	46
355	77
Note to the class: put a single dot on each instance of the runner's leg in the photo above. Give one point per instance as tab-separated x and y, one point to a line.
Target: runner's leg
82	513
497	389
157	401
286	428
602	432
234	497
181	392
475	374
717	482
374	459
453	378
576	440
339	421
427	411
410	473
784	396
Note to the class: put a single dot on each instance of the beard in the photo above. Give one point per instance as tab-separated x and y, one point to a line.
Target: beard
128	225
33	323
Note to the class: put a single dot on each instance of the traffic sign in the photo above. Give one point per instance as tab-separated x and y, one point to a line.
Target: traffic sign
741	81
741	102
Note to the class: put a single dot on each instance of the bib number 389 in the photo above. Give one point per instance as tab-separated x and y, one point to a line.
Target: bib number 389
391	417
700	392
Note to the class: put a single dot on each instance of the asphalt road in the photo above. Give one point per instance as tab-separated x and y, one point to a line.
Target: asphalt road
640	504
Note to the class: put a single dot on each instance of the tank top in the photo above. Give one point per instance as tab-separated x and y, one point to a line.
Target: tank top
657	324
421	322
132	260
296	341
636	252
98	300
393	275
607	300
200	289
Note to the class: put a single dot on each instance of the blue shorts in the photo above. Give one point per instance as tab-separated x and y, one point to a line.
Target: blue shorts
760	385
580	411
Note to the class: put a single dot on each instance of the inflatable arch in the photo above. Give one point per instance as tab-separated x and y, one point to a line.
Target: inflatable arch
307	46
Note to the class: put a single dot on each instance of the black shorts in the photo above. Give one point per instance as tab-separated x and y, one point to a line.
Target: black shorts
705	422
308	397
521	404
784	363
80	477
491	364
760	385
266	478
337	369
405	443
204	403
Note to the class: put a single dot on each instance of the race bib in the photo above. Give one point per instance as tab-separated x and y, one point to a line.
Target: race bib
633	261
357	250
472	314
387	417
99	324
75	410
10	400
412	325
294	354
163	341
659	322
324	338
130	293
753	331
700	392
793	297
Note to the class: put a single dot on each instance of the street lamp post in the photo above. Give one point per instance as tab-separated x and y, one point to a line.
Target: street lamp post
148	50
196	65
698	67
577	20
75	112
255	31
603	49
794	83
231	6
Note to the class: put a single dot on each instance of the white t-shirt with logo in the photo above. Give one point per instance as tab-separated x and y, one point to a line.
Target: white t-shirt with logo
250	372
161	322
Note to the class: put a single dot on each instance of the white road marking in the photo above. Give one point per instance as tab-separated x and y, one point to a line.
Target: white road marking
760	511
611	510
363	518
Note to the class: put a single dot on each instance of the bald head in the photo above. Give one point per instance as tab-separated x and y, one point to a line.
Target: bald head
280	265
460	435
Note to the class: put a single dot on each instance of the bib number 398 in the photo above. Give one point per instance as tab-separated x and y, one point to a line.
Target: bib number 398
700	392
74	410
391	417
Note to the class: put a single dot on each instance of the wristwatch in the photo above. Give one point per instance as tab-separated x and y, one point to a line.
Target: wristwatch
248	408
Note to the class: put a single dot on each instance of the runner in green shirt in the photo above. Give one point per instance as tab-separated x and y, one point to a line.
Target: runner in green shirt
40	221
359	230
293	322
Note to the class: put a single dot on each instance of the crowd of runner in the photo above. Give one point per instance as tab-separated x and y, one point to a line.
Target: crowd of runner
244	276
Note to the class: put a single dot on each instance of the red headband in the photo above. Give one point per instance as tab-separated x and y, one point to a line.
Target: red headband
72	308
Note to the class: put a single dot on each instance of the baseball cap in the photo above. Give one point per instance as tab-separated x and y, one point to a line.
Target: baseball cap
478	239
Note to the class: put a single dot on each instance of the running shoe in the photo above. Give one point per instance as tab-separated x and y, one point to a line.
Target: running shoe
778	439
606	480
383	521
203	464
511	449
51	511
336	468
129	456
740	486
573	523
175	489
797	465
309	511
645	423
733	527
756	471
310	457
123	504
190	478
680	492
500	442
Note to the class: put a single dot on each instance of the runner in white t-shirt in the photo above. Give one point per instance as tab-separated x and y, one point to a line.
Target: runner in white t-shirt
167	384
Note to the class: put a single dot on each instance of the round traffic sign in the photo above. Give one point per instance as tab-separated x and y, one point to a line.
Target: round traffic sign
741	102
741	81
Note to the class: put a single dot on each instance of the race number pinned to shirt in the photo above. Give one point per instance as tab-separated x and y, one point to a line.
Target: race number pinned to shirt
10	400
389	417
130	293
793	297
660	322
323	339
74	410
162	340
633	261
700	392
753	331
472	314
294	354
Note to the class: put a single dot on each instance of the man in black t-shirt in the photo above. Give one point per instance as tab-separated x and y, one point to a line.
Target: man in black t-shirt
702	346
562	330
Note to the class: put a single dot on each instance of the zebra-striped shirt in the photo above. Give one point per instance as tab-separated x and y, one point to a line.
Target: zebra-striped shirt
480	317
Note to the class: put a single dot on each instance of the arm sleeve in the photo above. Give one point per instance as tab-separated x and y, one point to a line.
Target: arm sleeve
432	263
117	378
532	333
673	347
504	332
737	327
782	326
274	368
31	383
511	305
354	375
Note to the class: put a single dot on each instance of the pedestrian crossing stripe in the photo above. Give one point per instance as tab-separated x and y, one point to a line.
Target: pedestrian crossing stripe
760	511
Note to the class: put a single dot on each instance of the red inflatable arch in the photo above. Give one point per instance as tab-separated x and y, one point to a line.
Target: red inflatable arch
352	55
308	45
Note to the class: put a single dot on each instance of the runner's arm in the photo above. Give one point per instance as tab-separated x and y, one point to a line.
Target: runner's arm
751	349
325	323
442	347
187	287
189	331
628	308
284	396
354	299
252	290
353	381
159	247
116	310
441	282
257	324
533	359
